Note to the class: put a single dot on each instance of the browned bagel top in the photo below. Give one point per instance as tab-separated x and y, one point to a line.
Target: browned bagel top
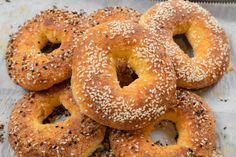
94	80
113	13
28	65
196	132
206	36
77	135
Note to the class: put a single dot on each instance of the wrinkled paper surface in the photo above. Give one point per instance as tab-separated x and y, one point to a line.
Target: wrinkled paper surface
221	96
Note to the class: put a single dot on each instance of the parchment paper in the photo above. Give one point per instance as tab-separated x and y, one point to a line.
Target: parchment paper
221	96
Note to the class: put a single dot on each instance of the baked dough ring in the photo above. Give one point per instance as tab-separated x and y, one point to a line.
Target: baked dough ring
196	132
94	80
109	14
76	136
27	65
206	36
113	13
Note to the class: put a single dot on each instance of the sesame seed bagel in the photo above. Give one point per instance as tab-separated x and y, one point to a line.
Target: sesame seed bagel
94	79
113	13
28	65
207	38
77	135
196	132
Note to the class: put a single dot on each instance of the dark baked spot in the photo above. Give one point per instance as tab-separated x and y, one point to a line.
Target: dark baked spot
182	41
49	47
125	74
60	113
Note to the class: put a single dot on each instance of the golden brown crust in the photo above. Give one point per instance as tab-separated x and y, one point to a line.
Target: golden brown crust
194	122
206	36
27	65
113	13
76	136
94	81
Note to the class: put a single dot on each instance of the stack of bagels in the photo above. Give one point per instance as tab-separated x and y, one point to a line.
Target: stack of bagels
126	75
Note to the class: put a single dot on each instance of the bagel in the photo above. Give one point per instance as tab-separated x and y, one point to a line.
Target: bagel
116	13
113	13
104	150
30	67
206	36
29	137
196	132
94	81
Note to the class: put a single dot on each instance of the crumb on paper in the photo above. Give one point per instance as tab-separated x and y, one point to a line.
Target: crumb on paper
54	6
219	96
217	153
229	68
224	100
1	132
24	9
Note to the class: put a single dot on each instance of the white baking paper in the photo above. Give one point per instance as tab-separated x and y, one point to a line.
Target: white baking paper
221	96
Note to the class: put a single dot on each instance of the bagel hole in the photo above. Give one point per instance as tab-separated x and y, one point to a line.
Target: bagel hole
182	41
49	47
104	150
125	74
59	114
164	133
